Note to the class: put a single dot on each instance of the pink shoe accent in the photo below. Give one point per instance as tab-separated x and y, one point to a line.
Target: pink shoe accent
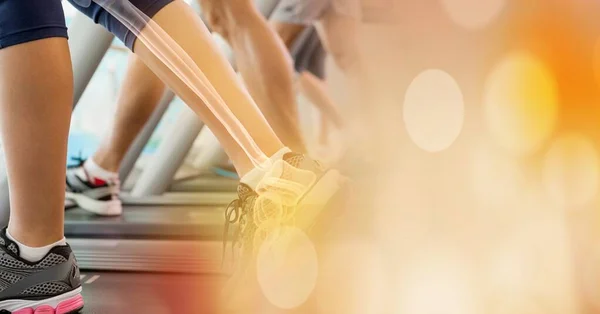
70	305
44	309
64	307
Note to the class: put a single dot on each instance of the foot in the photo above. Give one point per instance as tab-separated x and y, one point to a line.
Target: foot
100	197
296	193
49	286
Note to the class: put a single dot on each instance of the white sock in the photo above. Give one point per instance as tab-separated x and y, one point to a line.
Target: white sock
95	172
253	178
34	254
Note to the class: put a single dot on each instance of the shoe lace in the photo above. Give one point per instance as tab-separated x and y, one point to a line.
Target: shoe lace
274	207
266	216
233	215
79	161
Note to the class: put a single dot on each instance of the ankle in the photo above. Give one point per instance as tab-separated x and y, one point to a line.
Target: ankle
106	161
34	253
254	176
34	237
98	174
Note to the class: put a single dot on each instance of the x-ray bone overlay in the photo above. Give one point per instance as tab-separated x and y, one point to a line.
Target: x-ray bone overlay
182	65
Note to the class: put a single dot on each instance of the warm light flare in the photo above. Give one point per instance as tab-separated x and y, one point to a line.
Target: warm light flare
521	103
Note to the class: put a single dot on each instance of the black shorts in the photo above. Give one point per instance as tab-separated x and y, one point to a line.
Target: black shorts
22	21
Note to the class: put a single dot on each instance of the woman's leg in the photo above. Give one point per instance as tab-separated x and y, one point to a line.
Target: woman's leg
339	34
264	63
94	185
190	33
314	89
36	96
309	85
140	93
36	91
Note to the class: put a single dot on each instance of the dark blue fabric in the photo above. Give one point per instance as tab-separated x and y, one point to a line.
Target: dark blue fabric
23	21
100	16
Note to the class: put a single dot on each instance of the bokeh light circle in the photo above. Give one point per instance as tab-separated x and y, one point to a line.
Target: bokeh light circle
433	110
287	267
521	103
571	170
473	14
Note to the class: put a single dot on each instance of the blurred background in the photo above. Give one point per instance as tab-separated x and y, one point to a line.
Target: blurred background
485	199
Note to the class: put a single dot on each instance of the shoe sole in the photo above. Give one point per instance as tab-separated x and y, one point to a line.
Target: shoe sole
102	208
305	220
66	303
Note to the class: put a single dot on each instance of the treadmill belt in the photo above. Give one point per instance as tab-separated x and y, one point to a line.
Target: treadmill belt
180	239
143	222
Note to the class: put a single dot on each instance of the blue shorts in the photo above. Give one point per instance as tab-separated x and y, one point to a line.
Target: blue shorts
22	21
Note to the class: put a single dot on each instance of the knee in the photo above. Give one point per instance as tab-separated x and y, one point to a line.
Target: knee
226	17
124	32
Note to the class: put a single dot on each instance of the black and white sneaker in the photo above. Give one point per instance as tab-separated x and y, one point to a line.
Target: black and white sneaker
100	197
49	286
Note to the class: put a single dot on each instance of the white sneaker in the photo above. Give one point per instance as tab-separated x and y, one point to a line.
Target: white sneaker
94	195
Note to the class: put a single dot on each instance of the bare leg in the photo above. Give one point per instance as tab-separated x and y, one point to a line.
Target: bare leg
264	63
309	85
140	93
314	89
190	33
288	32
36	93
339	34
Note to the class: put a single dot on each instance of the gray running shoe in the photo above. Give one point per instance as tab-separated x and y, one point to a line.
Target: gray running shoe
49	286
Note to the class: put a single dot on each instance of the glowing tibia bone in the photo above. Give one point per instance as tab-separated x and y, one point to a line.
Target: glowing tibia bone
182	65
